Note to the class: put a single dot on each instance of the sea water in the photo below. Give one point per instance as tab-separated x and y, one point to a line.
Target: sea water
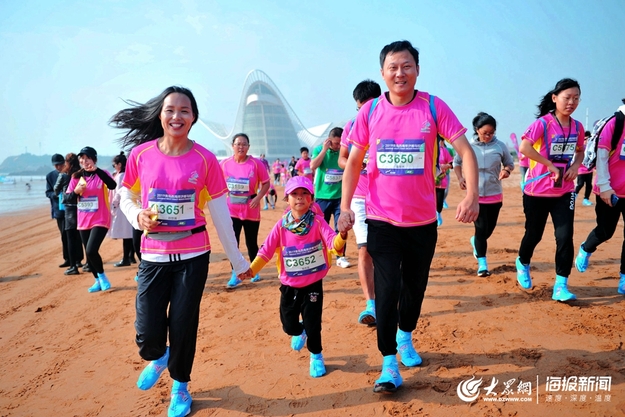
26	193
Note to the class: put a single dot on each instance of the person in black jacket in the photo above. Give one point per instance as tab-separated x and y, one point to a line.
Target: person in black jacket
74	244
58	161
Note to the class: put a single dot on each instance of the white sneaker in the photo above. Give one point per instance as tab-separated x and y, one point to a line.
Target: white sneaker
342	262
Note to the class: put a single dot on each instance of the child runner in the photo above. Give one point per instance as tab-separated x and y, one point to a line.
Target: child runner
303	242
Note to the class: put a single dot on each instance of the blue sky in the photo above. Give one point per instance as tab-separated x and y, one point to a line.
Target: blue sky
68	64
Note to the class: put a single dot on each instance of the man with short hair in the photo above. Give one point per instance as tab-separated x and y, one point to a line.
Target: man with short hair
365	90
329	180
400	134
58	161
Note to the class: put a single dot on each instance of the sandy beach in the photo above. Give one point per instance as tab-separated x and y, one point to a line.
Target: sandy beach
65	352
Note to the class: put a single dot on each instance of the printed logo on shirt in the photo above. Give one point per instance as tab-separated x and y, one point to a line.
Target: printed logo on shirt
314	296
425	126
193	178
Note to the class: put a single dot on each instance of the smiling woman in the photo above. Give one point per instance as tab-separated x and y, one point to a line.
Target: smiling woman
168	182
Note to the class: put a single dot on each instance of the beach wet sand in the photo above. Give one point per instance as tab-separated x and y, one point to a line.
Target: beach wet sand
66	352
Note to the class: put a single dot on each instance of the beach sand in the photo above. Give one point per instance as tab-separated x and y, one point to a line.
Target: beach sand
65	352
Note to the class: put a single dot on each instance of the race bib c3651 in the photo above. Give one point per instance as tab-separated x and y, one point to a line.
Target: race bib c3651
174	208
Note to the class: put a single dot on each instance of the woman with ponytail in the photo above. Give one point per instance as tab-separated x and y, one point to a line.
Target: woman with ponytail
494	164
554	144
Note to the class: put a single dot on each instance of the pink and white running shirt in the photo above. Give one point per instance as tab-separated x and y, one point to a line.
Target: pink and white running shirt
401	143
243	180
94	207
616	162
302	260
179	186
303	165
363	180
444	157
556	146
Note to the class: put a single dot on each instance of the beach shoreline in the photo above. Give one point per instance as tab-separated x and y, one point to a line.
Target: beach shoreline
67	352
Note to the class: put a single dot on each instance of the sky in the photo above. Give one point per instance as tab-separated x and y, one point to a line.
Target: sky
68	65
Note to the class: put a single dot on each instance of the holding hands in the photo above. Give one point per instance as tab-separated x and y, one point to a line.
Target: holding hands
246	274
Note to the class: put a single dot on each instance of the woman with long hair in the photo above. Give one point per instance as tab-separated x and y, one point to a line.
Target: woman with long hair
70	200
494	164
90	186
554	143
174	179
120	226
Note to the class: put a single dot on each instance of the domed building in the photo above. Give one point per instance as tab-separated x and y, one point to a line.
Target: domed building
272	125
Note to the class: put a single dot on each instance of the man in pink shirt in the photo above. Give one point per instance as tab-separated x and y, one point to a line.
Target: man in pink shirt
400	135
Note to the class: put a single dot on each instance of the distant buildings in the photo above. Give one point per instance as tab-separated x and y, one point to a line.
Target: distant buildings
272	125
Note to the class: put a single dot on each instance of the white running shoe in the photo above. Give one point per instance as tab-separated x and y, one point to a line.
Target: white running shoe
343	262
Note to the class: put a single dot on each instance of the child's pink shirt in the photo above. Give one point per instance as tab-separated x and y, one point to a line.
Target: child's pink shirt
301	260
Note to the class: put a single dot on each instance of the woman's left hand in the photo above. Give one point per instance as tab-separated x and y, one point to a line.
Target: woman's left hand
255	202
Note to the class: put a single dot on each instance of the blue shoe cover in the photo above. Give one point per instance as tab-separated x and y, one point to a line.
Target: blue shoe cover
104	282
234	281
95	287
482	267
560	291
621	285
439	219
180	404
298	342
445	205
472	240
317	367
582	258
390	379
523	274
407	353
152	372
256	278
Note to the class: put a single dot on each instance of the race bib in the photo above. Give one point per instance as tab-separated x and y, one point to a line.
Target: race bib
239	189
88	204
333	176
307	171
561	149
622	154
303	261
174	209
407	158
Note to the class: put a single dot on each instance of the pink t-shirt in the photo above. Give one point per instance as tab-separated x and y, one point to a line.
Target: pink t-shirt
401	167
616	162
180	186
276	167
491	199
303	166
363	180
524	161
555	147
444	157
302	260
93	205
243	180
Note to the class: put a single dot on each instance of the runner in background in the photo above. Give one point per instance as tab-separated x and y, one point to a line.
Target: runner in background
584	178
365	90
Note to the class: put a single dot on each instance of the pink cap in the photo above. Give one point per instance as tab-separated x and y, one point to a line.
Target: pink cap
298	182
